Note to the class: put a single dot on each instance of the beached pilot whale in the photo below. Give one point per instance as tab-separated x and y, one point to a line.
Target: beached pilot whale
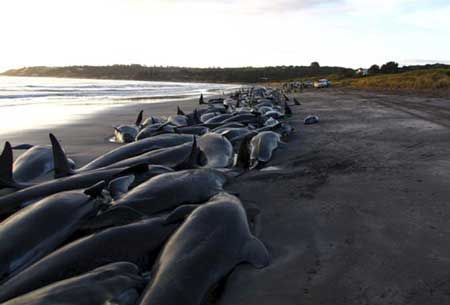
36	231
36	162
207	246
256	150
15	201
118	283
184	156
168	191
120	153
154	130
128	133
216	151
311	119
138	243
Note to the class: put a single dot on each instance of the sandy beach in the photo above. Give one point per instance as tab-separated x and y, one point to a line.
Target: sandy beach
354	211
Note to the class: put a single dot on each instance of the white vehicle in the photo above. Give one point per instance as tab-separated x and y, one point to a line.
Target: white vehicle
308	84
322	83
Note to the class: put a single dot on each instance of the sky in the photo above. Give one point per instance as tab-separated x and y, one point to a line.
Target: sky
227	33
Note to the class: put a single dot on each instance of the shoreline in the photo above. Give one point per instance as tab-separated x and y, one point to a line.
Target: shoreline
88	137
127	79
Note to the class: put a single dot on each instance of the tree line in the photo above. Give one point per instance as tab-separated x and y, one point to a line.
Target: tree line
393	67
184	74
217	75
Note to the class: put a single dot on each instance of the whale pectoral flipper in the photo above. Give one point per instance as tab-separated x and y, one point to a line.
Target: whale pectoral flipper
119	186
255	253
180	213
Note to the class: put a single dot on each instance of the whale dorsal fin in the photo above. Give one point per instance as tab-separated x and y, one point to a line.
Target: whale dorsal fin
63	167
119	186
6	167
196	117
243	157
192	160
287	109
139	118
179	111
255	253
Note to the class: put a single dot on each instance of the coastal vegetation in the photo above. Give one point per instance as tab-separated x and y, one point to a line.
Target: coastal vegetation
432	79
183	74
389	76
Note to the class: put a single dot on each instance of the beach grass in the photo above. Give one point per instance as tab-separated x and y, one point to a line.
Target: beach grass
434	79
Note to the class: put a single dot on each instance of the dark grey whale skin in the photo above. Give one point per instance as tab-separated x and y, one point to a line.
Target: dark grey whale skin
171	157
206	247
118	283
34	163
168	191
138	243
217	150
263	144
36	231
136	148
15	201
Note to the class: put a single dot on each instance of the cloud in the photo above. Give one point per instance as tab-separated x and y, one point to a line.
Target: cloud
424	61
257	6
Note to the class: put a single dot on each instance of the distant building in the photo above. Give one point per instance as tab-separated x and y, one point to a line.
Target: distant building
362	72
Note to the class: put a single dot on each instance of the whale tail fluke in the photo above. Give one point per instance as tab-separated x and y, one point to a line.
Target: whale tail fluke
63	166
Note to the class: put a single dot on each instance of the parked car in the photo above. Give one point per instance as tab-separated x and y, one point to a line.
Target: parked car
308	84
322	83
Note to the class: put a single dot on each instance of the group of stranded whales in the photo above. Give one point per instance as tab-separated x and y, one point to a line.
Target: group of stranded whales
149	222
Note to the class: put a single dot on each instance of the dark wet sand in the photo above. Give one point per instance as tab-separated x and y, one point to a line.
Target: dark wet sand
87	138
359	213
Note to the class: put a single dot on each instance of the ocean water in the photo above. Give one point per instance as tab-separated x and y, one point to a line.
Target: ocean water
37	102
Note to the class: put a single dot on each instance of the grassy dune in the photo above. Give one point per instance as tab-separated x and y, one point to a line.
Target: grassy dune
435	79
